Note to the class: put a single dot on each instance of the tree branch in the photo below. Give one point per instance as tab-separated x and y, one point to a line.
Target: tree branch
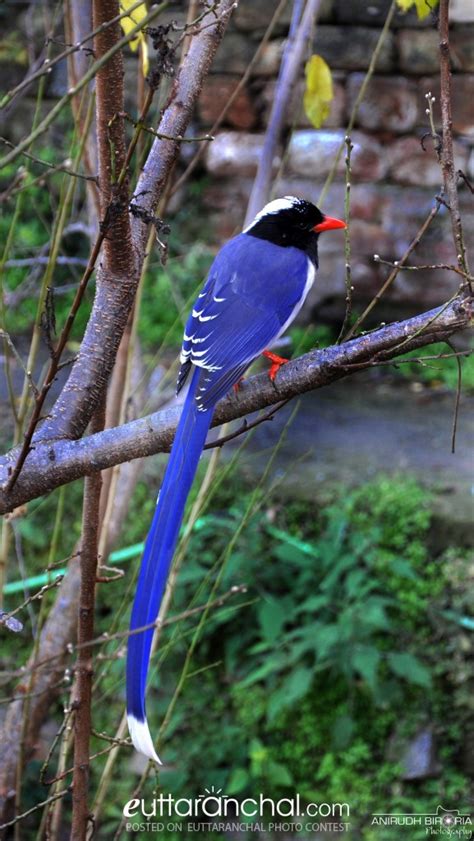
55	463
300	32
85	633
178	112
118	279
447	151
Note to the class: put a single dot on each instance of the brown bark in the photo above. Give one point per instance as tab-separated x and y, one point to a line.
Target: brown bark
447	152
85	633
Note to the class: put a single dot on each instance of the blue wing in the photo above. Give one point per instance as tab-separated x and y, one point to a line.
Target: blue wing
254	289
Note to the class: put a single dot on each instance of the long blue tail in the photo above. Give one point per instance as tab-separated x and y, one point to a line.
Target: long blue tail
157	556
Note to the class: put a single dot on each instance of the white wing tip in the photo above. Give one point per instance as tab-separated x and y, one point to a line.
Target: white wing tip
141	738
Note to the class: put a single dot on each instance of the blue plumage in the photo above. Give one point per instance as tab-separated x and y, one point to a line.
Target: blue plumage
255	287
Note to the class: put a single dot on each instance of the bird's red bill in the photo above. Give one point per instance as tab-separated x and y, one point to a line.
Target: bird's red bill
329	223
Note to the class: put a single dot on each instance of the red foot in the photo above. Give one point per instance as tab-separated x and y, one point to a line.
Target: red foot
236	385
277	362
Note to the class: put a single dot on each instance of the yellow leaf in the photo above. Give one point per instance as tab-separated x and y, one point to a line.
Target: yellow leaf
318	93
133	18
424	7
144	52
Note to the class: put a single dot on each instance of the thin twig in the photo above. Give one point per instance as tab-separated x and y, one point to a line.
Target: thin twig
457	400
347	242
447	156
242	82
43	126
393	274
290	68
35	808
360	96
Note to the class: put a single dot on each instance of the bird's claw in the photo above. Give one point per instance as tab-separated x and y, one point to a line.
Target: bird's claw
277	362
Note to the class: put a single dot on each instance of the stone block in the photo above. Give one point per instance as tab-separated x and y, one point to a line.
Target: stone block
410	164
353	51
253	18
216	92
233	54
462	48
270	59
374	13
461	11
312	153
390	103
296	115
462	102
236	153
418	51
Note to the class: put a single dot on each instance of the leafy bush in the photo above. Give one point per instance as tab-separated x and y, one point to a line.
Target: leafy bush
300	688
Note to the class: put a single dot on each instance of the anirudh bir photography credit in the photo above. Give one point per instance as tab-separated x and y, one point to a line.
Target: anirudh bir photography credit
236	420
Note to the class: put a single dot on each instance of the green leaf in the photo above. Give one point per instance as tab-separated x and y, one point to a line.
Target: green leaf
313	604
293	687
408	666
403	569
278	774
342	731
365	660
318	93
238	781
325	639
271	615
272	664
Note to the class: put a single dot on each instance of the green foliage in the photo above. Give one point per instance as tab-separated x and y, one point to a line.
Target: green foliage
308	338
301	683
438	372
304	683
168	293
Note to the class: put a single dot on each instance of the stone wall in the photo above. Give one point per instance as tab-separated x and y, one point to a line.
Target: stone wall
394	179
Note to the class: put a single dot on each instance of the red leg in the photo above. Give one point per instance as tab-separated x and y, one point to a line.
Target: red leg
277	362
236	385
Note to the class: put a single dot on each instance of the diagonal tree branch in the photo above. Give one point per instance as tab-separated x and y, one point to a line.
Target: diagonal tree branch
57	462
178	112
119	275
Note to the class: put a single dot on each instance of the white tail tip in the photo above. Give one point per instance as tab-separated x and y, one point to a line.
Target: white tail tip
141	738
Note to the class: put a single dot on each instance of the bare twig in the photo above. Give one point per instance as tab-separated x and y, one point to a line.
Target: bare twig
347	241
447	154
290	68
392	276
242	82
360	96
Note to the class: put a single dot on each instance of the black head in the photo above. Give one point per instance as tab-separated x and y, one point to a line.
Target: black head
292	222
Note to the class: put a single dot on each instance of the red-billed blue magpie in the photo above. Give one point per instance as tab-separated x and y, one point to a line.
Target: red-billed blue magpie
256	286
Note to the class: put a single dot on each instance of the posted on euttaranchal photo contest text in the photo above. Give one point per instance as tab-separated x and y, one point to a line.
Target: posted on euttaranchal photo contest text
214	813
